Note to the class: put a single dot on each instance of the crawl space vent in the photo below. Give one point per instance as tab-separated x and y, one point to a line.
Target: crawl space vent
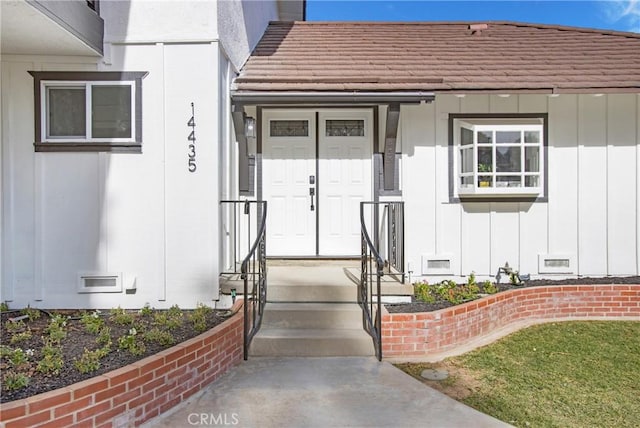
99	283
556	263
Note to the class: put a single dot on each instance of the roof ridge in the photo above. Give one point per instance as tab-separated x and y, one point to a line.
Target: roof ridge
444	23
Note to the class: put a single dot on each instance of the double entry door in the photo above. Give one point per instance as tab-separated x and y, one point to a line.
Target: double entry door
316	169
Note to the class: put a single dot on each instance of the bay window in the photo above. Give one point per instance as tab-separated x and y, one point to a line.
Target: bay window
498	156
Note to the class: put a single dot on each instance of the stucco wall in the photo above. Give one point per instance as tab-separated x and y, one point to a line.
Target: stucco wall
591	214
136	21
236	24
240	26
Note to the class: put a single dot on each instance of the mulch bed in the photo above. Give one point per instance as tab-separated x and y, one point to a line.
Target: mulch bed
78	339
417	306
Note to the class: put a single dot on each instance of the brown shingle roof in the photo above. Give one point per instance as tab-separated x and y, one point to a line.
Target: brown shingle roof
436	56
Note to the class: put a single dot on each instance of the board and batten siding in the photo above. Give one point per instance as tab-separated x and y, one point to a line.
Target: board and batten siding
142	216
591	214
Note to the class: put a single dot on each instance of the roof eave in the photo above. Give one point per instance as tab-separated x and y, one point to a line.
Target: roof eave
321	97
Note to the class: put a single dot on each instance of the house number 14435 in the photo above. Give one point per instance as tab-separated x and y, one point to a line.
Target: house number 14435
192	141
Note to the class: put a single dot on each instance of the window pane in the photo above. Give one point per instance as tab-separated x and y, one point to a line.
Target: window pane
508	137
466	182
466	136
531	136
508	181
532	181
111	111
485	159
289	128
67	112
508	159
532	159
485	181
466	160
345	128
485	137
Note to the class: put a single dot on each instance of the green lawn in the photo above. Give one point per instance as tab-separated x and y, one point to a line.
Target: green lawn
570	374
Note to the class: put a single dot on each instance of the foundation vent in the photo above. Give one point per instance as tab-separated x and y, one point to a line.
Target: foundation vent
99	282
556	263
438	264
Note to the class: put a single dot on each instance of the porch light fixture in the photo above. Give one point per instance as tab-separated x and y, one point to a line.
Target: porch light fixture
250	127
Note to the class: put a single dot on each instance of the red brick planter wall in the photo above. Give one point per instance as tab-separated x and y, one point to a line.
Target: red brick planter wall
433	333
138	392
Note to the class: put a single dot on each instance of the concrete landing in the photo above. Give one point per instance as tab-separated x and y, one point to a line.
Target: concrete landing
321	392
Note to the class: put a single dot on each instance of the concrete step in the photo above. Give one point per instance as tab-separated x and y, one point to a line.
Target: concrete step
312	315
302	342
311	293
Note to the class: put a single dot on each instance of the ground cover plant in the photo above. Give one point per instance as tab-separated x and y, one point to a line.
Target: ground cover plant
431	297
569	374
45	350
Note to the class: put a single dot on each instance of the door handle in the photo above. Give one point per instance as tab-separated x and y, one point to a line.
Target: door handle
312	192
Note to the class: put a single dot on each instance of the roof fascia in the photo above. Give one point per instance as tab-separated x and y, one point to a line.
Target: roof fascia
269	97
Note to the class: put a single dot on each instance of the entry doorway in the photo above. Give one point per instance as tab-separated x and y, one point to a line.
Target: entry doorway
316	169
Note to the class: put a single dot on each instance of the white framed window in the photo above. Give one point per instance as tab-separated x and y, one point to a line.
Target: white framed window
288	128
88	111
499	156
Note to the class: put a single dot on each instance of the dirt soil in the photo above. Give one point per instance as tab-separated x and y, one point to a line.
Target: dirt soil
75	342
417	306
460	384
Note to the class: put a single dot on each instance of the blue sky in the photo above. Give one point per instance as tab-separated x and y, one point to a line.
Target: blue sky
621	15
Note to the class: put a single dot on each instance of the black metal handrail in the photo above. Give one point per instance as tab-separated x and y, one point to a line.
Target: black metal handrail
394	213
371	258
253	269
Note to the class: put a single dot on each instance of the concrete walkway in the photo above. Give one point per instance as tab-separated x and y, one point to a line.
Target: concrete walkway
321	392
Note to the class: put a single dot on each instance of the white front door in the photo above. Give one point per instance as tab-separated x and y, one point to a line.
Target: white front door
288	162
335	163
345	150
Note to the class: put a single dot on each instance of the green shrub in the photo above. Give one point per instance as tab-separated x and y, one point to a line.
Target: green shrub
199	317
131	343
455	294
90	360
489	287
169	319
16	357
15	326
32	313
20	337
423	292
51	361
121	317
471	280
92	322
162	337
146	310
104	336
13	381
56	328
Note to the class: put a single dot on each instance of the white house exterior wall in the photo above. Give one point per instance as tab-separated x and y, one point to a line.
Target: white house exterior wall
239	38
141	21
591	214
142	216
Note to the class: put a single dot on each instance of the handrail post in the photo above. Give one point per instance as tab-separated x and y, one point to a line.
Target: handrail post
253	267
370	254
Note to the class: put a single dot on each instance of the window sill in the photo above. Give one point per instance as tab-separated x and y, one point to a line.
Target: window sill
504	192
88	147
499	195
